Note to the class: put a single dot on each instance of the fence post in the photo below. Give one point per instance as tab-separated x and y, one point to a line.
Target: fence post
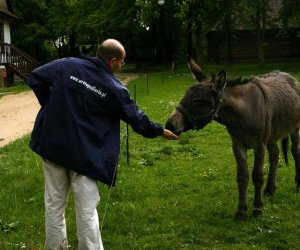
127	130
147	83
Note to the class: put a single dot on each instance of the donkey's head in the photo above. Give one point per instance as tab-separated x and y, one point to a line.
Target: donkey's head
200	104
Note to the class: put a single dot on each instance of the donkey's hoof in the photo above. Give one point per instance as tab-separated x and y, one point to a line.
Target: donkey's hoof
257	212
240	215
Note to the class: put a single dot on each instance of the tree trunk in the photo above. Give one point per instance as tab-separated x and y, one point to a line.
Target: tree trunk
260	49
190	34
228	31
132	49
260	20
199	37
72	45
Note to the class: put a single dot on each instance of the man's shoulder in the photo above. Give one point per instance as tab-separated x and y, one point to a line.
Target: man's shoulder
71	60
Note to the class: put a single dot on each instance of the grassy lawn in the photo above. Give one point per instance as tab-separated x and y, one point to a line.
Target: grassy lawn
173	195
13	90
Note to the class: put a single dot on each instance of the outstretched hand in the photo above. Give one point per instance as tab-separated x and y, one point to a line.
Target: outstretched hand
169	135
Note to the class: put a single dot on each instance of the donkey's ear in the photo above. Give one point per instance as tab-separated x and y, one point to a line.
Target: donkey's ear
219	82
196	70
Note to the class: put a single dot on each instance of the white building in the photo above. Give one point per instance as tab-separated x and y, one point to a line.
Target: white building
13	61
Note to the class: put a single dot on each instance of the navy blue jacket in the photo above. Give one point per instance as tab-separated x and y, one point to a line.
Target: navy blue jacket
78	125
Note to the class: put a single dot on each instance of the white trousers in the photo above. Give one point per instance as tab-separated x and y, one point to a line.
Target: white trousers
58	181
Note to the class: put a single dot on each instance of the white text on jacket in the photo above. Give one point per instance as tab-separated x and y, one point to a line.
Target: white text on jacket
88	86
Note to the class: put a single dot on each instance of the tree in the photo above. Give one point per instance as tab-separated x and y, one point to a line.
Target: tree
261	8
154	33
119	21
61	26
228	27
181	26
29	33
162	22
290	13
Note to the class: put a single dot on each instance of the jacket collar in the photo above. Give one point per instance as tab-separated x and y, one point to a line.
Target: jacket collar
97	61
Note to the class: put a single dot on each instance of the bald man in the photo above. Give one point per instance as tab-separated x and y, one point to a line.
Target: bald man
77	134
113	54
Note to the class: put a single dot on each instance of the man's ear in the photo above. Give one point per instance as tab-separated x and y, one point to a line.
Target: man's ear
219	82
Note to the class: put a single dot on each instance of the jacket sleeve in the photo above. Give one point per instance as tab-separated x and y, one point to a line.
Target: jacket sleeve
138	120
41	81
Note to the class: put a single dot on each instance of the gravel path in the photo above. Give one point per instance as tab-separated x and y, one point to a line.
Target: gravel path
17	115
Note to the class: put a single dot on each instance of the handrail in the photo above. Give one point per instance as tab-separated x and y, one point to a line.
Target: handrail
17	60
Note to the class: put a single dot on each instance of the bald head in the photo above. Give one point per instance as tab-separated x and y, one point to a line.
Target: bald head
111	48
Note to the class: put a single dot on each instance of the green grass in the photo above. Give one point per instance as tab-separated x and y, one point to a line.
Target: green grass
13	90
173	195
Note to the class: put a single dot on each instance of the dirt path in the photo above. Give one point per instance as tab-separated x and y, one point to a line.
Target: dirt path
17	115
18	112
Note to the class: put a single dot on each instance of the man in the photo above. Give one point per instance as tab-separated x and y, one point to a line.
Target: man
77	133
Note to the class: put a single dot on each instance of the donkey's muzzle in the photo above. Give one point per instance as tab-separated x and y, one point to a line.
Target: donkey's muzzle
170	126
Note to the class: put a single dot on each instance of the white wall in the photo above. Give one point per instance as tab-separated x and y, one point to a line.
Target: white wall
6	33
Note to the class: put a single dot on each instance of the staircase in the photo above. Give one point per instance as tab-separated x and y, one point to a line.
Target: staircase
17	61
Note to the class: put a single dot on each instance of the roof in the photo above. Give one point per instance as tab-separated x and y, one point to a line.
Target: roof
6	11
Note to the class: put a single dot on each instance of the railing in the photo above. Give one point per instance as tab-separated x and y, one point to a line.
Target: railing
17	60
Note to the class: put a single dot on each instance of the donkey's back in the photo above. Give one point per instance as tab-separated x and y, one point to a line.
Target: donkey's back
281	92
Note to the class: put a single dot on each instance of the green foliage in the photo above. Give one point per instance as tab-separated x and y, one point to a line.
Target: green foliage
152	33
290	13
30	32
173	195
13	90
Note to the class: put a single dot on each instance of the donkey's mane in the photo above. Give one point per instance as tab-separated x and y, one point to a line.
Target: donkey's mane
237	81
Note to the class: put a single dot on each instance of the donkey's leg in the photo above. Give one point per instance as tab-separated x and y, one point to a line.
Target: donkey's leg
258	178
295	138
273	160
240	153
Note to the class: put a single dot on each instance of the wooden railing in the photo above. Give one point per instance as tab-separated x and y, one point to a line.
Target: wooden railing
17	60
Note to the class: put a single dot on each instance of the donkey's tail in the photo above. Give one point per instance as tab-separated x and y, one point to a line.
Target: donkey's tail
284	146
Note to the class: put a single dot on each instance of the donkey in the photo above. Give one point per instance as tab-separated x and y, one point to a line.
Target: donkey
256	112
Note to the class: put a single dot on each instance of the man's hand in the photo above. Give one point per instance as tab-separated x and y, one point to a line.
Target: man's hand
167	134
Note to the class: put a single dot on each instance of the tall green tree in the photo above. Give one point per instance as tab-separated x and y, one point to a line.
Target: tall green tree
119	21
29	32
46	28
228	26
181	25
150	32
290	13
261	8
164	27
60	26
